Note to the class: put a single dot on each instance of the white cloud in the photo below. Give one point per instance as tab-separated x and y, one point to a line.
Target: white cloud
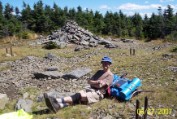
131	6
166	0
129	13
13	13
141	13
105	7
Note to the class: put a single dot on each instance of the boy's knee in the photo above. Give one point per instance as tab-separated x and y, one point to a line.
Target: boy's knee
83	95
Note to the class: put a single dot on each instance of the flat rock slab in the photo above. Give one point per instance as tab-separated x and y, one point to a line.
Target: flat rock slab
77	73
47	74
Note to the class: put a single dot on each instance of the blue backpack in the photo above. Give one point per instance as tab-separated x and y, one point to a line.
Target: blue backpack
123	88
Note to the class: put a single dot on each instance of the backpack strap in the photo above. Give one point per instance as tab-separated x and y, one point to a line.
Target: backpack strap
108	90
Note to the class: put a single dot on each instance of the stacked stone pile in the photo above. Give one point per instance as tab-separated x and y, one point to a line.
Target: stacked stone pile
73	33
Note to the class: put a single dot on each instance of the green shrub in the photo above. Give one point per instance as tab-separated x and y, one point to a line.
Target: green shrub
51	45
172	36
174	50
25	35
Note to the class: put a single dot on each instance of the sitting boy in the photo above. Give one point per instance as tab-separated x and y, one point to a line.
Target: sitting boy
98	87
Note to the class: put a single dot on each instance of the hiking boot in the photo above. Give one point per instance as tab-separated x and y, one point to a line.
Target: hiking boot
51	103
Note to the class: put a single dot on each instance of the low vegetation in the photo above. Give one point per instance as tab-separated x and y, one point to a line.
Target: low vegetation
174	49
51	45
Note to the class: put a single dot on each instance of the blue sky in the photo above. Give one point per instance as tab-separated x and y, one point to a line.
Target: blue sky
128	7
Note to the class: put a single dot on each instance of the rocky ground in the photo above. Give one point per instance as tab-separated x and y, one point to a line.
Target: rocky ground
26	79
21	72
19	81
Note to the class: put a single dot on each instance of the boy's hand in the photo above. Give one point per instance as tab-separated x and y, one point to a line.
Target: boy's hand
102	83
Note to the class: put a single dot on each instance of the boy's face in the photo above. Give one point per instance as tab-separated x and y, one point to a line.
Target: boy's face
105	65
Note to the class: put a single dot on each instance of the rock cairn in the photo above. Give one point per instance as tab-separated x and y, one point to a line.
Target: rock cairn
71	32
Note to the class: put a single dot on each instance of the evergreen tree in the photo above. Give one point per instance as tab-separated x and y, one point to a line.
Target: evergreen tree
108	20
161	23
130	27
175	29
58	16
11	24
1	20
123	22
1	10
79	16
72	14
17	13
40	20
66	12
153	31
8	11
98	23
27	18
50	25
117	25
169	20
88	22
146	26
138	25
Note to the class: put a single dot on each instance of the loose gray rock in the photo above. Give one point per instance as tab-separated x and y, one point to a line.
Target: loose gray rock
3	100
167	56
104	42
53	68
174	69
77	73
108	117
126	40
24	104
78	48
83	42
110	45
29	58
60	44
50	56
25	95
